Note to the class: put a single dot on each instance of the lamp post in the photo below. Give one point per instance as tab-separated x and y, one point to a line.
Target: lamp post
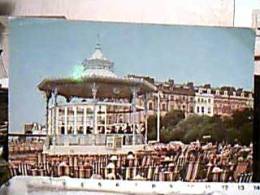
158	116
133	104
145	116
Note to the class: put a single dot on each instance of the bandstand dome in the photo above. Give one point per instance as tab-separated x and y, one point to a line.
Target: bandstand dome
98	73
98	64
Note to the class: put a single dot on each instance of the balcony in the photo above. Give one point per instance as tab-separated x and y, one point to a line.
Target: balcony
92	139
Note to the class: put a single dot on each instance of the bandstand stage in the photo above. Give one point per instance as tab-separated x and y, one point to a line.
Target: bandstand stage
96	112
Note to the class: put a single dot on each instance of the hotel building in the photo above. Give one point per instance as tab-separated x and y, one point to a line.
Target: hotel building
200	100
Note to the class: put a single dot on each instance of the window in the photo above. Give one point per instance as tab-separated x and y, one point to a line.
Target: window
202	109
198	109
183	107
150	106
209	110
209	100
163	107
191	109
225	93
199	100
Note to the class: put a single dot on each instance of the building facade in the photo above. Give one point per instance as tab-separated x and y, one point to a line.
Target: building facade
172	97
228	99
200	100
204	101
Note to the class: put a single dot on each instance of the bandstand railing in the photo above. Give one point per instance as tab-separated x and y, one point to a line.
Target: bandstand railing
92	139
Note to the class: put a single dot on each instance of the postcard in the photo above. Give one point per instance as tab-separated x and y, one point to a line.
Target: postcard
109	102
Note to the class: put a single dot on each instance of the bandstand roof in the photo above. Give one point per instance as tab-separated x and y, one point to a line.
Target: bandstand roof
98	71
107	87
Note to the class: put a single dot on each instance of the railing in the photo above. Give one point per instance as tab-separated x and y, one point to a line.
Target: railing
92	139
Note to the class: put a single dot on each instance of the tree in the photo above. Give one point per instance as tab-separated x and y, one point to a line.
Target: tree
238	128
239	118
195	127
246	133
172	118
152	121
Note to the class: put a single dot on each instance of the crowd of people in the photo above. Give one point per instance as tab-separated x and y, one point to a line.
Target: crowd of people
21	146
210	162
117	128
159	162
123	128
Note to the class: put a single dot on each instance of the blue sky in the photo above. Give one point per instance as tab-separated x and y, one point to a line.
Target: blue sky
41	48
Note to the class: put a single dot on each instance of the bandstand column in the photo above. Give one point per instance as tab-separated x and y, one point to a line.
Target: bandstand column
133	112
66	120
85	120
95	119
105	121
94	93
48	96
75	120
158	116
53	121
57	120
49	126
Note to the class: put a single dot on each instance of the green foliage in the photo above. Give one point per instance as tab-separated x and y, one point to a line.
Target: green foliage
242	117
167	123
152	120
235	129
172	118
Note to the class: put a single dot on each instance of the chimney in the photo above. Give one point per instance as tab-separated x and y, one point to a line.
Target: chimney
171	81
190	85
207	86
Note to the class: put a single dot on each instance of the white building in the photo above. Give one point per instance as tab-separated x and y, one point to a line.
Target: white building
204	102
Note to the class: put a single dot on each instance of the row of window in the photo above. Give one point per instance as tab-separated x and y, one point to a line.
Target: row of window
200	100
164	107
204	100
184	98
203	110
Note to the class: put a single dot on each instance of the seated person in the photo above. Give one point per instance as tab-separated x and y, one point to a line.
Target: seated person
88	130
113	130
102	130
128	129
120	131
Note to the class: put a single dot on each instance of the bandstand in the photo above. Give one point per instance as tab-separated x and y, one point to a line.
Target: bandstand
97	111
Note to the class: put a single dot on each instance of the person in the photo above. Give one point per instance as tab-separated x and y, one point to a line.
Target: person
120	131
128	128
62	129
88	130
102	130
113	130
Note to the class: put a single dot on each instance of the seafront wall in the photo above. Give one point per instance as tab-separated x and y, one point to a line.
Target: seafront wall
20	184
